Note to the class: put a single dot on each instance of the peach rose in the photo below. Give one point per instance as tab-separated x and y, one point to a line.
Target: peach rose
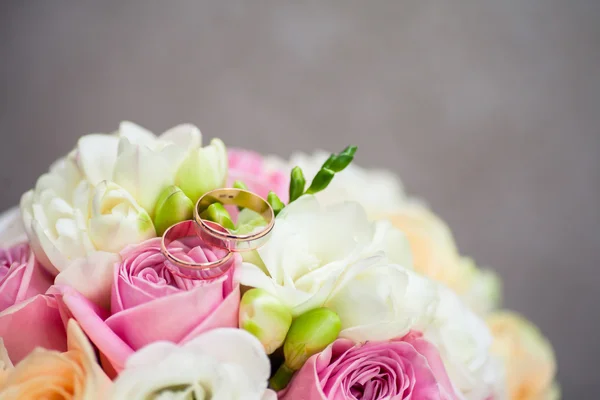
435	255
527	354
49	374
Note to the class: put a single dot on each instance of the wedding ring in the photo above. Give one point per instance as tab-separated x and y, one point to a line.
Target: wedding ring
177	242
249	234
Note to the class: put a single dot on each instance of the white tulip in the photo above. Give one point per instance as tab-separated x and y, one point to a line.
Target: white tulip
223	363
116	219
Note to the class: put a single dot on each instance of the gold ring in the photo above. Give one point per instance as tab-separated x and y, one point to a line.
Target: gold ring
264	219
189	269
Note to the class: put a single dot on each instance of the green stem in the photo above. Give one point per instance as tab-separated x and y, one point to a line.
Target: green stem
281	378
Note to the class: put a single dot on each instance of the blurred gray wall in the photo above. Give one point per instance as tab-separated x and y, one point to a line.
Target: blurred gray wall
489	109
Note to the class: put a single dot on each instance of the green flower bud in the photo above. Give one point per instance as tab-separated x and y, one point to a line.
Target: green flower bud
321	181
203	170
264	316
309	334
297	183
349	151
338	163
240	185
172	206
216	212
275	203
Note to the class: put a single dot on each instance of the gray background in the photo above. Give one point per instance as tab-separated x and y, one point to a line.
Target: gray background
488	109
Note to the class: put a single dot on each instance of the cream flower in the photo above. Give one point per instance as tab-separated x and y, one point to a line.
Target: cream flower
312	249
101	197
116	219
527	354
436	256
434	252
48	374
220	364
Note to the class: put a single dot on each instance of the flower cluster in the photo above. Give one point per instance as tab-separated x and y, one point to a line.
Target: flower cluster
359	293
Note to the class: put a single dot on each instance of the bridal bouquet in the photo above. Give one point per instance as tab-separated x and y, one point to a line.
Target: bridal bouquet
153	267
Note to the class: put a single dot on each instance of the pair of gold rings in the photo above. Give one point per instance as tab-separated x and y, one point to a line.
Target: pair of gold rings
224	241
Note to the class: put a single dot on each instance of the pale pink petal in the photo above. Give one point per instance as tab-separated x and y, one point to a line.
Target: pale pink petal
224	316
33	323
90	318
167	318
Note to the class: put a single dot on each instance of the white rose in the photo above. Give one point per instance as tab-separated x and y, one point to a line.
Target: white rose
220	364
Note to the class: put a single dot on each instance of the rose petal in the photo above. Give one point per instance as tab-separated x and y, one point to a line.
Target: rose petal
33	323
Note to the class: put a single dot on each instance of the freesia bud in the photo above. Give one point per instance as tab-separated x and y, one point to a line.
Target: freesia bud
309	334
203	170
173	206
216	212
297	183
350	151
240	185
338	163
264	316
321	180
275	203
117	220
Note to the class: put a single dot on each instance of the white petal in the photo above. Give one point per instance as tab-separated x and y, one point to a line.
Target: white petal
116	219
11	227
45	250
97	154
234	346
185	135
143	172
392	242
136	134
92	276
151	355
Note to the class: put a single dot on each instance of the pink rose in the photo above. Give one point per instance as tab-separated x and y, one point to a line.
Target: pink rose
251	168
149	303
28	318
408	368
